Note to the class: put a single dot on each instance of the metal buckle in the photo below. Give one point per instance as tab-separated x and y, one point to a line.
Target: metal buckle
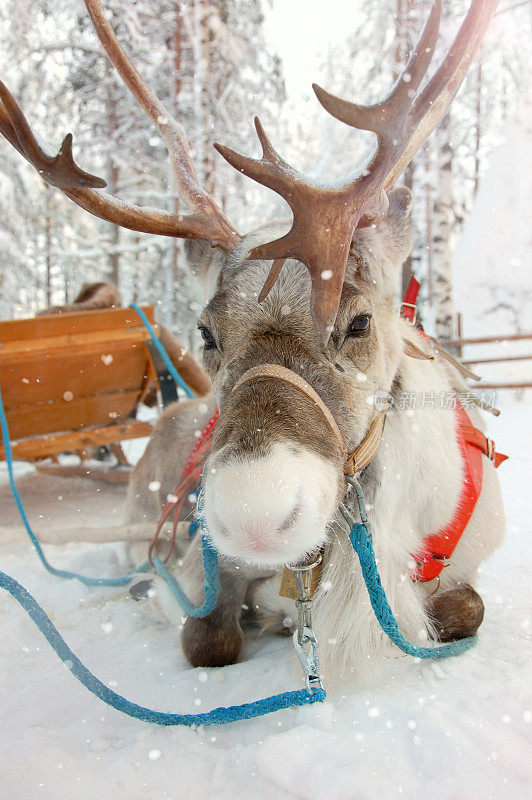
305	567
410	305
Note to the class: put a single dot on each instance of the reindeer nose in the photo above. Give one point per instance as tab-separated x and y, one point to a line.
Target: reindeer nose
271	509
260	535
254	507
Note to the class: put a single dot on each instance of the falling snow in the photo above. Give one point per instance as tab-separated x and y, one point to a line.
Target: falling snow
387	730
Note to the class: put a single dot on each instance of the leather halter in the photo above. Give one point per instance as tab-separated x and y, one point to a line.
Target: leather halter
367	449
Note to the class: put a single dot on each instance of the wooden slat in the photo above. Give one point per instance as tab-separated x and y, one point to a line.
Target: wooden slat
64	416
41	446
101	473
479	386
27	379
498	360
134	337
69	324
511	337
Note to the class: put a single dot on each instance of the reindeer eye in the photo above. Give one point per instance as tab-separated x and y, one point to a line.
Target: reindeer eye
359	325
208	338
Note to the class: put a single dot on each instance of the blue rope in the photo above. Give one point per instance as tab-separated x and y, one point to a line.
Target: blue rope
210	558
211	583
164	355
94	685
361	539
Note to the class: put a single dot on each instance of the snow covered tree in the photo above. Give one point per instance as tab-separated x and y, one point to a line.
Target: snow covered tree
206	59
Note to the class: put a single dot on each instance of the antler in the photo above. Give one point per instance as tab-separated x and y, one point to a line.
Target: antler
60	170
403	122
321	232
207	221
325	218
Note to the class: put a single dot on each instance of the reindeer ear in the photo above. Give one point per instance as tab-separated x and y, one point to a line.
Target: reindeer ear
399	220
381	249
205	263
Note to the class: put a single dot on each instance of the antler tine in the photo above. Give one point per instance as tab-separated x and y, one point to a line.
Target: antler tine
268	150
419	62
377	118
270	170
170	129
60	170
432	104
207	221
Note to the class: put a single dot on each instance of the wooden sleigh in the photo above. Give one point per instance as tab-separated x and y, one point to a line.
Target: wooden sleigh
72	382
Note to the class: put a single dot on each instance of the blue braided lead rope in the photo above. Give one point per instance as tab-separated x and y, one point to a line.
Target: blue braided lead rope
211	582
164	355
94	685
60	573
361	539
210	558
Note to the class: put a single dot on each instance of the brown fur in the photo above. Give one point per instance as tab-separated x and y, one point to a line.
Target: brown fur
91	297
213	641
264	412
457	613
216	640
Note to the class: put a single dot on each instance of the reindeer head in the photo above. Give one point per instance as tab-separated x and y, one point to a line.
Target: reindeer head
276	470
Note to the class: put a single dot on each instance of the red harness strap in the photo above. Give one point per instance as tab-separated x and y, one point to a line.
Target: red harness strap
189	479
408	306
439	547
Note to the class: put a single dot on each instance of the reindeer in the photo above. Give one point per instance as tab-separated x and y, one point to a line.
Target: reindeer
301	333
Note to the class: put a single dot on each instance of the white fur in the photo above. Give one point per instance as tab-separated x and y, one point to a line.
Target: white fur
270	510
412	486
417	496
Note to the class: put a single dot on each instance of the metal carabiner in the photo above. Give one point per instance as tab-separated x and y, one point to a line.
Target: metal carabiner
304	638
306	647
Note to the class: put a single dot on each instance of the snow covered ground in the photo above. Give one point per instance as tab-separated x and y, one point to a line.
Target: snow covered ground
454	729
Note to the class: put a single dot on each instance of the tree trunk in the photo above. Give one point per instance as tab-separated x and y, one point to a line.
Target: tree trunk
442	229
428	224
48	247
478	121
112	178
209	81
177	41
408	266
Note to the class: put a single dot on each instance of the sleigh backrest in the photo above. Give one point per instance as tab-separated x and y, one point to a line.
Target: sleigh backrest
73	374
